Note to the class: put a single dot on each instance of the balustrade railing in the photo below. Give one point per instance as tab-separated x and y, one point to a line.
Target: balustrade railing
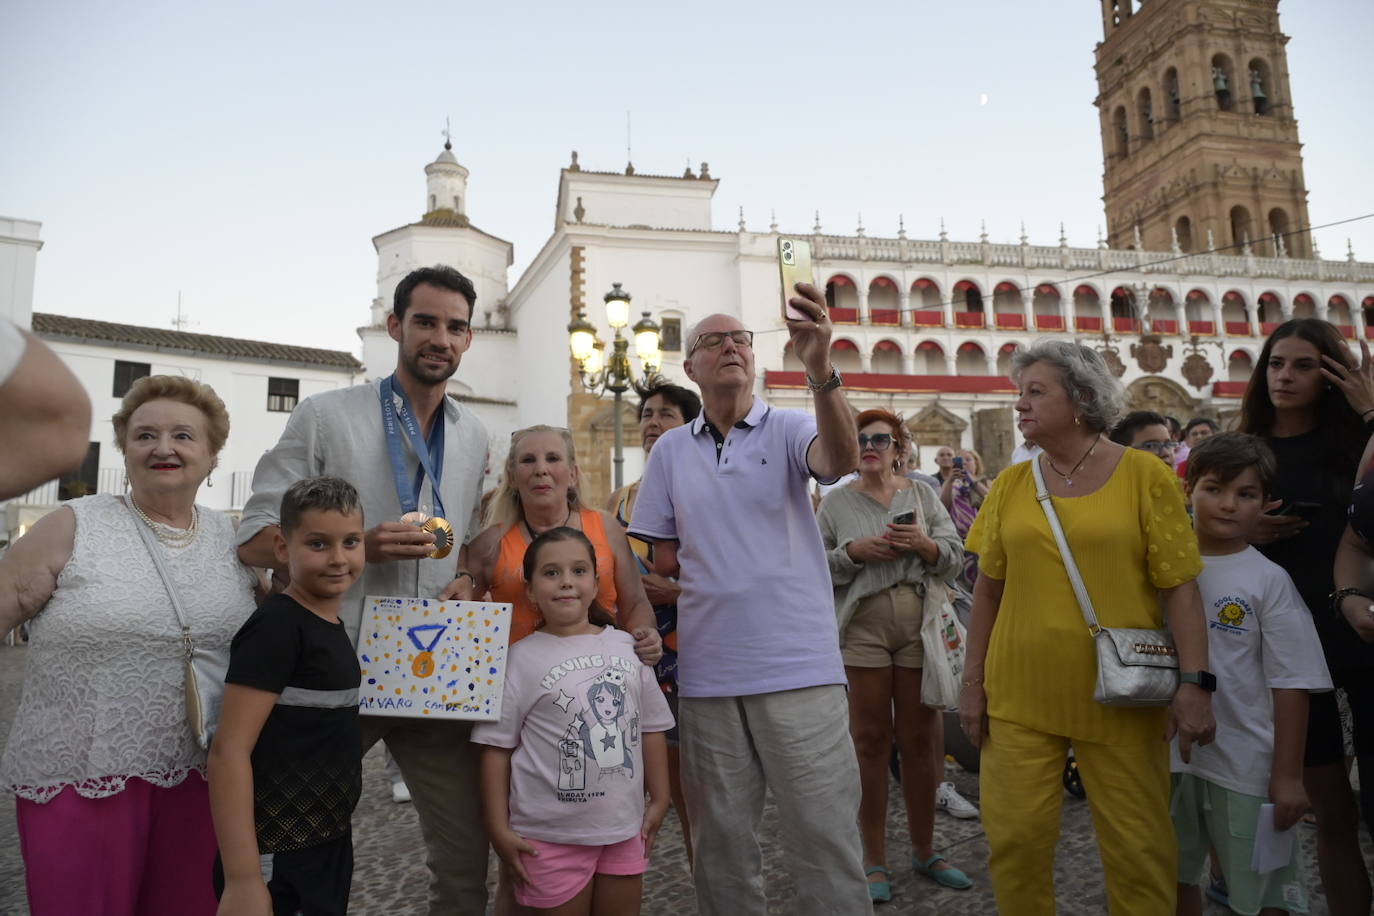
1047	257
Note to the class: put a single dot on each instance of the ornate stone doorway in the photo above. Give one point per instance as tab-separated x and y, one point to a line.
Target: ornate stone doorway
1163	396
934	425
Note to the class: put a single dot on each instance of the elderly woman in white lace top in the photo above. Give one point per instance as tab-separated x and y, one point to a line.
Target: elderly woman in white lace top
113	810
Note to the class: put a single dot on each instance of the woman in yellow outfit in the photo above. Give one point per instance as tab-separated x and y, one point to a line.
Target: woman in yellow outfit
1031	668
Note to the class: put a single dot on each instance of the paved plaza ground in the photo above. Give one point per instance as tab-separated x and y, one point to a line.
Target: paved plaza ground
390	875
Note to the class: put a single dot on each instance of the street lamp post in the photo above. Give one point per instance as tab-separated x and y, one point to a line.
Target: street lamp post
617	374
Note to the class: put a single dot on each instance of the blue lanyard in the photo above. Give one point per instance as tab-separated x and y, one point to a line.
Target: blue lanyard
430	453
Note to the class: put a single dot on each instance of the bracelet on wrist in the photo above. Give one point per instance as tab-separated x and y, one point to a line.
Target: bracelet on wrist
463	572
1340	594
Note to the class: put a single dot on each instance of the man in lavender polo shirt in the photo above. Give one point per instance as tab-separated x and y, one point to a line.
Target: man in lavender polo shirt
762	685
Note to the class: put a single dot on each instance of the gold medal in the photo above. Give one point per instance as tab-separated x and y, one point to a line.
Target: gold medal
443	536
423	666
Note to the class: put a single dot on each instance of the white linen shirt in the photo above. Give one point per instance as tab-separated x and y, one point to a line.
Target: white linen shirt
339	433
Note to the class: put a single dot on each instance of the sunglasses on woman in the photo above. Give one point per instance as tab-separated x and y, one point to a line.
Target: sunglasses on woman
879	441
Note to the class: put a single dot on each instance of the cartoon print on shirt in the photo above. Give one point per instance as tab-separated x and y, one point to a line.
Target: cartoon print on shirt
603	727
1231	613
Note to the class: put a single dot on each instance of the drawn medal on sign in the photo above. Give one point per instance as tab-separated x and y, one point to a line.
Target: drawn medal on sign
425	637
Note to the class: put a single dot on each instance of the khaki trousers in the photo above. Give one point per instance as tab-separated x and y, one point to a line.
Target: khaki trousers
440	766
795	745
1020	776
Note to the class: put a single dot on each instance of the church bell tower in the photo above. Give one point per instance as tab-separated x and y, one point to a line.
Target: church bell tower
1199	140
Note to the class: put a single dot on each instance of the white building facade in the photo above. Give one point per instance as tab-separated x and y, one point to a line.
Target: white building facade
259	383
925	327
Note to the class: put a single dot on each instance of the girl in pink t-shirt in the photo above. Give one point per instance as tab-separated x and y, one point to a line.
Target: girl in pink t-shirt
580	739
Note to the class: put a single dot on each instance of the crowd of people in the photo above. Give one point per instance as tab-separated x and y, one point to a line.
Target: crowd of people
724	629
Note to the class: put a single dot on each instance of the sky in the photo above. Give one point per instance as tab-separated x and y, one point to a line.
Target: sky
241	156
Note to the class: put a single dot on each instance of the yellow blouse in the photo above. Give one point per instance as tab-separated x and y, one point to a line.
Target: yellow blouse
1130	538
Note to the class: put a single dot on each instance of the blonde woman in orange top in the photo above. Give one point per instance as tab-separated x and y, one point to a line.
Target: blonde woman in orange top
538	491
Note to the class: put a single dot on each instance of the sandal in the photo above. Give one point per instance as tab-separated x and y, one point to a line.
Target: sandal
879	891
950	877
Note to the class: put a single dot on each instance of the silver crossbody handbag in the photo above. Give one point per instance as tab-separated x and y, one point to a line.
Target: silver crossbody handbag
205	668
1134	667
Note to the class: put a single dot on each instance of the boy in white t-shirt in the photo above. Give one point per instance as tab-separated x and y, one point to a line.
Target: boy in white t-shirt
1259	635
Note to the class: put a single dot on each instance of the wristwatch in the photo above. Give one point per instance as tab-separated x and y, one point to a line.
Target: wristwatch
829	384
1204	679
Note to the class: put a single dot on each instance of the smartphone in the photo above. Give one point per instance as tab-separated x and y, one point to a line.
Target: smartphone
906	518
794	266
959	461
1302	509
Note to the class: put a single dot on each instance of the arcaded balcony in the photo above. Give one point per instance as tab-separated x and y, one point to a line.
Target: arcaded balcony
1009	309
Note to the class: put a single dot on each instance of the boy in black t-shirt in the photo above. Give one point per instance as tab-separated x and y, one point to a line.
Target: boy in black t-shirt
286	762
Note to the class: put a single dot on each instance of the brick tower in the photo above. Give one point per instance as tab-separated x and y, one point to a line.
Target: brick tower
1198	133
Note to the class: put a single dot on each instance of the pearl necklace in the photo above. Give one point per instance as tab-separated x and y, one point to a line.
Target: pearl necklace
168	534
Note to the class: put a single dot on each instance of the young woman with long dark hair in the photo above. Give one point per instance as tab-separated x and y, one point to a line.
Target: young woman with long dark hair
1313	405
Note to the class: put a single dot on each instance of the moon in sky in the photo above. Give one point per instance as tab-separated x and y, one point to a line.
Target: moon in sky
982	98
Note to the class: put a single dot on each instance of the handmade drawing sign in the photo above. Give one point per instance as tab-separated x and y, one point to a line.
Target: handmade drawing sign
436	659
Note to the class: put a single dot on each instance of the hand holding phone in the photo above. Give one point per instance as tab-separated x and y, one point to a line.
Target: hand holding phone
903	531
1279	522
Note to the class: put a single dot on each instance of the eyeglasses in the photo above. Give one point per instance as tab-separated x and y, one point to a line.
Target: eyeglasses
879	441
713	339
1156	447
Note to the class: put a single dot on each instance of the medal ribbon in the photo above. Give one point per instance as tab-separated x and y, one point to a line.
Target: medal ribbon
430	453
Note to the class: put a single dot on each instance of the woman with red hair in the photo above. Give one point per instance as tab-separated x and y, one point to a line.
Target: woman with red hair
887	537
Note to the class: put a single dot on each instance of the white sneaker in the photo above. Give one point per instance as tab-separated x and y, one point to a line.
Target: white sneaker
948	800
400	792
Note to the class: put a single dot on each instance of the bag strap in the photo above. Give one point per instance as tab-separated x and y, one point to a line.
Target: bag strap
1042	495
156	553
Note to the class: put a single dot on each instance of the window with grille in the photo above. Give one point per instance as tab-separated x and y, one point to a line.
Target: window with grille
670	335
125	374
282	394
85	482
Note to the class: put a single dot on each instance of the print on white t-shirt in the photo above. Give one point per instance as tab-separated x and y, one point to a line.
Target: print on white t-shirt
603	723
1260	637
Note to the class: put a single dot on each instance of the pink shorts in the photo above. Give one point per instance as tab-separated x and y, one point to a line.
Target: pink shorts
561	870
